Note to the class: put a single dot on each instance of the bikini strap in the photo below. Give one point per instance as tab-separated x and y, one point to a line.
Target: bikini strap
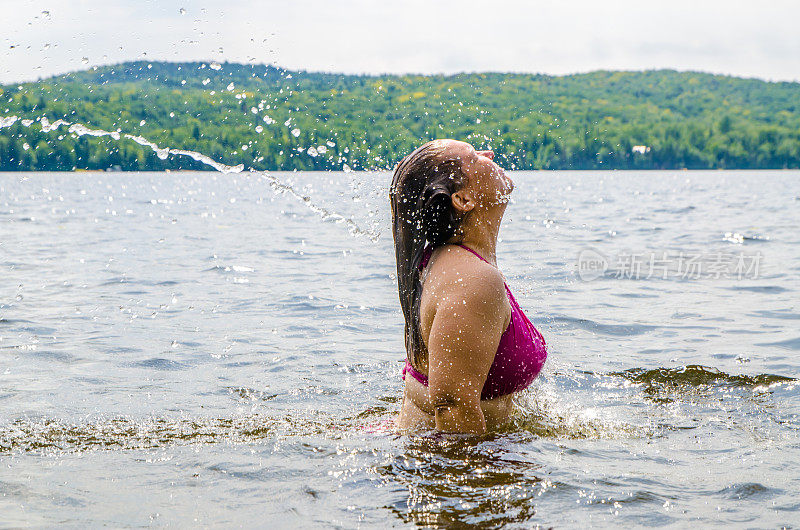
426	256
481	257
466	247
428	250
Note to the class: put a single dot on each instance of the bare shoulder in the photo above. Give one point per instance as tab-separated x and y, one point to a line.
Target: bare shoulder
459	276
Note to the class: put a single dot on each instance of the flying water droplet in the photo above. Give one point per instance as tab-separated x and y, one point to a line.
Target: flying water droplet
295	132
259	129
85	60
215	66
312	152
230	87
268	120
79	130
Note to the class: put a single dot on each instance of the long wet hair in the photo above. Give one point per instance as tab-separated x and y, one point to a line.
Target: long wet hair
422	212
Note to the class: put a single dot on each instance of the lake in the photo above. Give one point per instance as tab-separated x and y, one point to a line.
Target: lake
195	348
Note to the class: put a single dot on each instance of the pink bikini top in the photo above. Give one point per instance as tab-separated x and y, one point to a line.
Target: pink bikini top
520	354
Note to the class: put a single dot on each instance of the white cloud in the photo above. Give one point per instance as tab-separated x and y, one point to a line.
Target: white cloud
734	37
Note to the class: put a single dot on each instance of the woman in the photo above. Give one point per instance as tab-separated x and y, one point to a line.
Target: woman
469	346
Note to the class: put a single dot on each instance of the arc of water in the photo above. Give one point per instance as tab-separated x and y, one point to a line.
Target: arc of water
164	152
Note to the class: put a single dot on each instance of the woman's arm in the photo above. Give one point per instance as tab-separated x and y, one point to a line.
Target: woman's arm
463	340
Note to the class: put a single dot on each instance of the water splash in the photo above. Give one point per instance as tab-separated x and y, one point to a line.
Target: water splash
48	436
82	130
165	152
7	121
49	127
545	412
559	406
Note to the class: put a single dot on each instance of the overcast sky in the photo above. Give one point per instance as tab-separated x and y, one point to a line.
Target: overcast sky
752	39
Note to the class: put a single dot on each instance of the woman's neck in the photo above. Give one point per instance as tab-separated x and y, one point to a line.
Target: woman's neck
481	234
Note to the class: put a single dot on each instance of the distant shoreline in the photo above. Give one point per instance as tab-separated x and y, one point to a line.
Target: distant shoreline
145	116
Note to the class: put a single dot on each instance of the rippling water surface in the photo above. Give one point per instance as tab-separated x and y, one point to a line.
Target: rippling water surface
197	348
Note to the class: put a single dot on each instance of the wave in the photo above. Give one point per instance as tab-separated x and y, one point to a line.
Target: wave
49	435
629	404
695	375
562	404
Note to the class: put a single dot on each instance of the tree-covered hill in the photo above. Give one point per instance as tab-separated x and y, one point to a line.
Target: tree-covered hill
268	118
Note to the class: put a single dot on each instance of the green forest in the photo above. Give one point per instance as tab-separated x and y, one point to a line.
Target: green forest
268	118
